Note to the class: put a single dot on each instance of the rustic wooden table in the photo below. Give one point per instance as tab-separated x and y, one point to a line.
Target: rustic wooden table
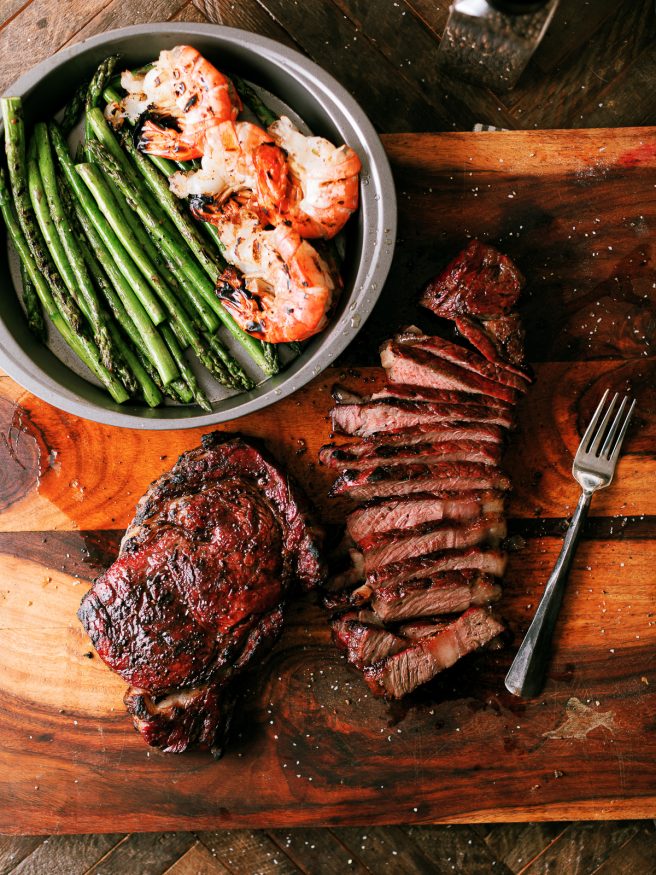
595	68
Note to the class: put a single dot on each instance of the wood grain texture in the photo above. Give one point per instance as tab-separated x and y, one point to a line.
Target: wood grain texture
319	851
315	747
197	861
619	77
144	853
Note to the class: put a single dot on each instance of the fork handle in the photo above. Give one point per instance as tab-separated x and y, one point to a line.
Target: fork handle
528	670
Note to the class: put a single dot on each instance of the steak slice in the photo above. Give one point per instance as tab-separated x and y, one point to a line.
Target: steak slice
403	392
452	352
400	673
386	481
487	560
404	513
443	431
364	638
418	367
478	290
215	547
448	593
389	413
399	392
479	282
365	455
397	545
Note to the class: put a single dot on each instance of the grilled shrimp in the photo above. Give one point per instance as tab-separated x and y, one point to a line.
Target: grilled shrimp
287	288
183	97
304	182
324	181
238	156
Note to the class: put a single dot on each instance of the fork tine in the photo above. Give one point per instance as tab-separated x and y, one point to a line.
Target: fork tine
593	424
601	428
614	428
618	446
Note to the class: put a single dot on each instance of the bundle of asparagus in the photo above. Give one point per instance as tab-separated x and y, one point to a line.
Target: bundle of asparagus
114	259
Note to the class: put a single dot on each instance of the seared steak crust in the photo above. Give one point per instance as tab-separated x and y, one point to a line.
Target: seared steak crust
213	550
466	358
479	282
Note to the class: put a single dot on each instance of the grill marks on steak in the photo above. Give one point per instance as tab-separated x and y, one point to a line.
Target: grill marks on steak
477	290
366	455
424	547
214	548
479	282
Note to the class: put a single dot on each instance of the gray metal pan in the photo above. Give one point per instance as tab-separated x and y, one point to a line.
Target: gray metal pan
54	375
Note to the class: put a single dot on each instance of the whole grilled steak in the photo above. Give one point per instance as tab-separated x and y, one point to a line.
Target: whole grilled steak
197	590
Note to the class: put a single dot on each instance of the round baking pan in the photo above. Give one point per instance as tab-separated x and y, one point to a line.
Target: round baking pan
53	373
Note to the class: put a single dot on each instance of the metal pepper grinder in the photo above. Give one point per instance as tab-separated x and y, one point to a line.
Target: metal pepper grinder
490	42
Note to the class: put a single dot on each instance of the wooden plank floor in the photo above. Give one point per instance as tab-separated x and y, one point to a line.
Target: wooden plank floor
596	67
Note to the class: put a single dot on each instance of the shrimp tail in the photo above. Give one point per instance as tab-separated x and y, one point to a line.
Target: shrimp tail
159	134
242	304
204	208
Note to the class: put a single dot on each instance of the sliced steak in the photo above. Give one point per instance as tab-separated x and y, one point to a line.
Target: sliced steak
466	358
395	546
448	593
399	674
480	281
365	455
386	481
414	510
419	367
487	560
427	467
365	641
388	413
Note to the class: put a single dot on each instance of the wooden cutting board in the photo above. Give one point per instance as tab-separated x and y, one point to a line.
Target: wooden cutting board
577	211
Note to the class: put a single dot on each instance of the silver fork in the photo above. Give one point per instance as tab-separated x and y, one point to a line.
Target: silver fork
593	468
